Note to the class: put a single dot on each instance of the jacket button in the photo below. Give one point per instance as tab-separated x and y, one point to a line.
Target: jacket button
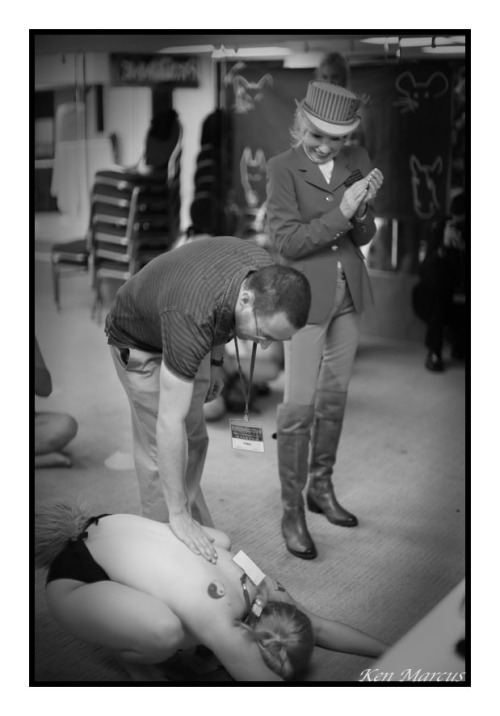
335	248
329	198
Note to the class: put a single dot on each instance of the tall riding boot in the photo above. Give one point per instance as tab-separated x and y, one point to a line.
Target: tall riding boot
330	407
293	434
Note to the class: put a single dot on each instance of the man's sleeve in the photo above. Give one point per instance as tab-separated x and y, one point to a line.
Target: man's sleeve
184	343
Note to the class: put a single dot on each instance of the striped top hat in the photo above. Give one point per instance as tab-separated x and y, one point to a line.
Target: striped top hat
331	109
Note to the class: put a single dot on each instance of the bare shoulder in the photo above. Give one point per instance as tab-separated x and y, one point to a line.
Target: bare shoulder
277	592
221	539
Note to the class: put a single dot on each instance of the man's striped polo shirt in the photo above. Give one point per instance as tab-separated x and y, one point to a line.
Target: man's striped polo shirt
182	302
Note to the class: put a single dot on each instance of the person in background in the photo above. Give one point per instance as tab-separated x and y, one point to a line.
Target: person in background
127	584
319	214
53	431
439	296
167	329
334	69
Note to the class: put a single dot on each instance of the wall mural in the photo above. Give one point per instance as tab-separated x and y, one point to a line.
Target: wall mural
406	128
260	97
414	93
407	132
407	116
423	184
253	175
247	94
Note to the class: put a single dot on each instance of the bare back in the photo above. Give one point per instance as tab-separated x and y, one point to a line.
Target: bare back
146	555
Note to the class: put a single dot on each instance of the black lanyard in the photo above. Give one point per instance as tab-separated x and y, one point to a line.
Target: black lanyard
243	580
246	392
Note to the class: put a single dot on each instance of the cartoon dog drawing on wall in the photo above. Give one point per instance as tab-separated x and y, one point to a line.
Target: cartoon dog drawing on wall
423	184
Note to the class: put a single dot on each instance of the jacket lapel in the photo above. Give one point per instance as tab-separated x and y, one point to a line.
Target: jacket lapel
312	173
341	171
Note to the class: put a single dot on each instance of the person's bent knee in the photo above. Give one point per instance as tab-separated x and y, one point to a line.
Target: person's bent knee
53	431
64	430
71	427
163	640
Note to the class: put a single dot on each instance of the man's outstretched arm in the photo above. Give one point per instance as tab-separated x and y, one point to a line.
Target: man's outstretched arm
175	400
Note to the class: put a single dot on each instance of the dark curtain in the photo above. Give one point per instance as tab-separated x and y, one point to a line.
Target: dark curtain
406	129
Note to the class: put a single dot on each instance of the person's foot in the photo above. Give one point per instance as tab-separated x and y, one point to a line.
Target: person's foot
322	500
52	459
297	538
434	363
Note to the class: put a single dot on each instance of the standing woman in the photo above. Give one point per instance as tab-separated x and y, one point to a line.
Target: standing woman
319	215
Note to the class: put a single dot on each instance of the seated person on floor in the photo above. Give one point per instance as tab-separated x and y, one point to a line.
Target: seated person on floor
53	431
128	584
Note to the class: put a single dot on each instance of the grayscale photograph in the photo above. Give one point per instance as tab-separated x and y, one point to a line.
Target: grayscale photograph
250	345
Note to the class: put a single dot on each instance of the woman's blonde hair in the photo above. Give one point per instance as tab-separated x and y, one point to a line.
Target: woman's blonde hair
55	523
284	636
299	127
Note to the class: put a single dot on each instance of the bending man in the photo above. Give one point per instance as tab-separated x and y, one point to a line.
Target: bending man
167	330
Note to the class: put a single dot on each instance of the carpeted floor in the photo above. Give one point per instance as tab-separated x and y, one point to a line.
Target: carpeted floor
401	469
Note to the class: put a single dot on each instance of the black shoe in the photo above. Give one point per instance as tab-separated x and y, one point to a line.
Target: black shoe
326	503
434	363
297	538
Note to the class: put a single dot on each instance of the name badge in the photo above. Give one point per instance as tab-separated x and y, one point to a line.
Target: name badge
246	435
249	567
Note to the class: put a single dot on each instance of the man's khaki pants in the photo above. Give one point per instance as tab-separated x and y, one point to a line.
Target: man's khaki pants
139	373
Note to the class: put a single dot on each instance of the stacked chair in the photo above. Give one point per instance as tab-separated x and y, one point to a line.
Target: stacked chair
213	207
68	258
135	212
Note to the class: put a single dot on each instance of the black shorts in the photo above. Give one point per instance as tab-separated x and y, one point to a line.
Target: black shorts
74	561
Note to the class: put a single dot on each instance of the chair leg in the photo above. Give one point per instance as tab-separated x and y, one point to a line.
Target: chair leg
55	282
97	305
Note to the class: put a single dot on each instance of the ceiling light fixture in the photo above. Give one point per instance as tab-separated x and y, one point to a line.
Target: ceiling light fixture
188	49
303	60
251	53
431	41
381	40
445	50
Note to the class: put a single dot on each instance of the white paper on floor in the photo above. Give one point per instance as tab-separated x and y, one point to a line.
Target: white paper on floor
120	461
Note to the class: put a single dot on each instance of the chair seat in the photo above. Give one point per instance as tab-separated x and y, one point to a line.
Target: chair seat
123	180
71	252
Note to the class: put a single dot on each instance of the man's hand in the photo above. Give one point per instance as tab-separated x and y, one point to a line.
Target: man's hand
216	383
187	530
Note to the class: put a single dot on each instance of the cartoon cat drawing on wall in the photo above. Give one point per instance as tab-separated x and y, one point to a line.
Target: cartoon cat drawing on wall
247	94
253	173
